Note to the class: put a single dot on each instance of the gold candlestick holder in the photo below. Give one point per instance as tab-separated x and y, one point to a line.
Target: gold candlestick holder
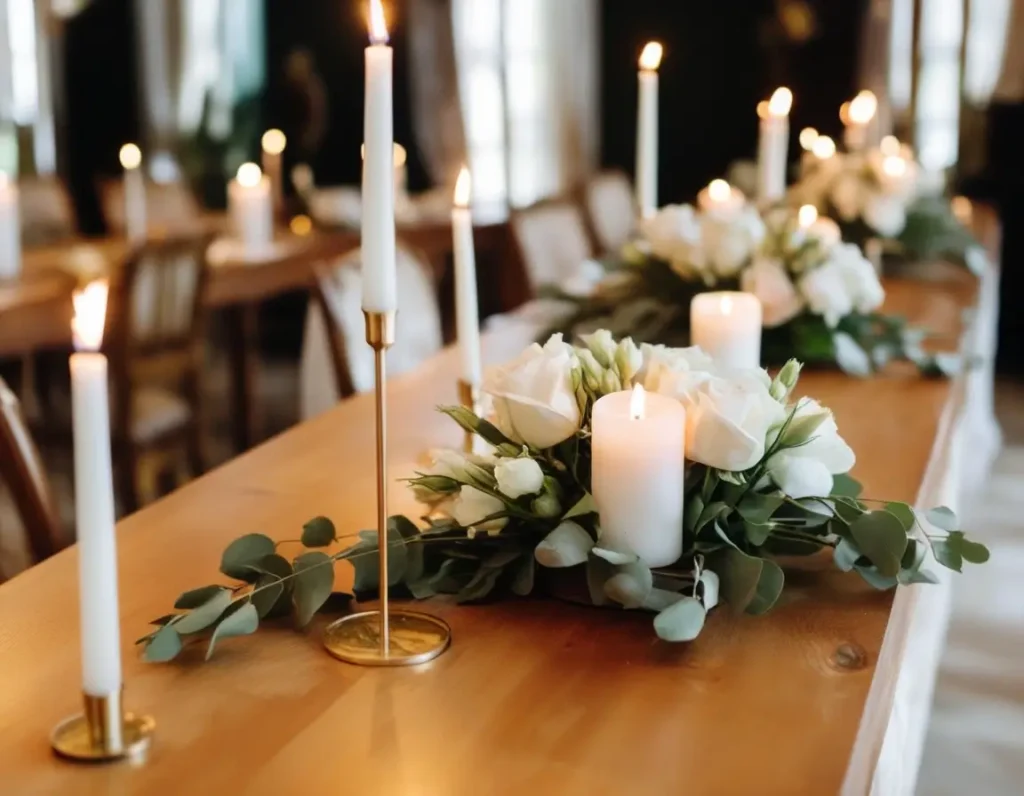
103	732
469	397
385	637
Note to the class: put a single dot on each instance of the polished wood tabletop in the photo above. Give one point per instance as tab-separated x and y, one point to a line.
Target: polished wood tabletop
535	696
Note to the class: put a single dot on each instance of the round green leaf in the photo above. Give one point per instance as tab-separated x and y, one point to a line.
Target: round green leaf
205	615
948	554
944	518
318	532
241	622
196	597
881	537
974	552
267	592
614	556
163	646
769	587
845	555
630	587
314	579
903	513
243	553
566	546
681	621
740	574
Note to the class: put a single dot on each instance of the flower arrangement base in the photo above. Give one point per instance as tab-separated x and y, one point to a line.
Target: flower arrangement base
414	638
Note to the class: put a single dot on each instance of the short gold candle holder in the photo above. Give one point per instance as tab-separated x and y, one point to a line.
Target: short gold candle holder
103	732
385	637
469	397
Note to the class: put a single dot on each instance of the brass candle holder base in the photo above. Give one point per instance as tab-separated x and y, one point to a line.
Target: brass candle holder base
413	638
469	397
103	733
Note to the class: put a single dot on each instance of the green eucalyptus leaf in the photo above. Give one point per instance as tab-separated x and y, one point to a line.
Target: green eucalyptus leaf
267	592
944	518
712	513
599	572
470	422
710	484
197	597
846	486
404	527
614	556
318	532
681	621
948	554
162	646
691	514
740	575
757	534
904	514
480	586
845	555
758	509
769	587
921	576
240	556
660	599
566	546
630	586
206	614
242	622
877	579
312	585
166	619
881	537
584	506
522	583
274	564
710	586
974	552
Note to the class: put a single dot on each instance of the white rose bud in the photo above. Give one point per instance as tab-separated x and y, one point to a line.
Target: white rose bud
518	477
786	381
610	383
472	507
547	506
628	359
592	370
602	344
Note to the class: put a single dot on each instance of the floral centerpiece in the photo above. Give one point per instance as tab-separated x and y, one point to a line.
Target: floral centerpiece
766	479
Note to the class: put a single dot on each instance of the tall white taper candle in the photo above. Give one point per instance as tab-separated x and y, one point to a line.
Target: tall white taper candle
10	229
467	315
273	143
773	147
647	131
135	215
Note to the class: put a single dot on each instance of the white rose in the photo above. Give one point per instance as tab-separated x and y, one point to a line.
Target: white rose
534	400
886	214
862	283
730	242
767	279
518	477
662	368
847	195
826	232
826	292
807	470
472	506
672	232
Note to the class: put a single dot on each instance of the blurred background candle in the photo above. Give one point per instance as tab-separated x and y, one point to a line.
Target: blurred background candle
858	120
10	229
135	222
773	146
647	131
721	200
823	147
378	222
467	315
94	498
251	207
727	326
273	144
639	444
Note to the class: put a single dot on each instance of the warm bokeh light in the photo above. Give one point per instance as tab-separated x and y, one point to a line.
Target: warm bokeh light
894	166
781	102
400	154
863	107
638	403
807	138
824	147
301	225
131	156
962	209
463	188
249	175
650	58
719	191
807	215
890	145
378	25
90	315
844	113
726	305
274	142
762	109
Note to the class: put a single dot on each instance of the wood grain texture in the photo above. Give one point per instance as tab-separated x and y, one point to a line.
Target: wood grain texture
534	696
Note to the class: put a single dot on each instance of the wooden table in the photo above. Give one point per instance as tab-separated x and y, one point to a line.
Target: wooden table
535	696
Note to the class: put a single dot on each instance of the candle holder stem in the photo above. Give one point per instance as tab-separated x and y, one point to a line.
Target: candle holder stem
385	637
469	397
102	732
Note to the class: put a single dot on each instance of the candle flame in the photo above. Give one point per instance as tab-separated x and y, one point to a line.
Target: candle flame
130	156
807	215
378	25
863	107
463	188
638	403
90	313
719	191
824	147
807	138
650	58
889	145
274	142
894	166
781	102
249	175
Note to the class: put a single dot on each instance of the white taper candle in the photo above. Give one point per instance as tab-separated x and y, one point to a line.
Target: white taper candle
467	314
10	229
135	215
773	147
647	131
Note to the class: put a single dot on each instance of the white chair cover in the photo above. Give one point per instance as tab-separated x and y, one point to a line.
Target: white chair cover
609	199
553	240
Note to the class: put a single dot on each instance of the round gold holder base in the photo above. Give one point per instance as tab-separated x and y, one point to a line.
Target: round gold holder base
415	638
71	739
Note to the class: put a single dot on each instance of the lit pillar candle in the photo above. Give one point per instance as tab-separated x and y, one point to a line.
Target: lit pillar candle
773	146
273	144
467	316
378	222
251	207
647	131
721	200
94	498
638	449
823	148
859	115
727	326
10	229
808	137
135	222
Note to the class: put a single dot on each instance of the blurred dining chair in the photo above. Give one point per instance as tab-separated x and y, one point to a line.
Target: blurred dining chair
171	207
21	469
552	240
336	361
155	341
611	210
47	214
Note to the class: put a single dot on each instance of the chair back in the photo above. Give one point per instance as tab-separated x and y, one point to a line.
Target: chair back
47	215
171	207
611	210
22	469
552	240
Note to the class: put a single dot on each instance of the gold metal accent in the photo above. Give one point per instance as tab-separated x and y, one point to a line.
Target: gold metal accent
369	638
469	397
103	732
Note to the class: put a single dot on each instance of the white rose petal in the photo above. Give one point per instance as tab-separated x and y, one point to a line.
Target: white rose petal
886	214
848	195
518	477
672	232
826	292
807	470
472	506
727	426
767	279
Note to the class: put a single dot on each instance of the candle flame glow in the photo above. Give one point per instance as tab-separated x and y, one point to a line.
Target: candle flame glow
301	225
824	147
844	112
762	110
894	166
719	191
638	403
274	142
249	175
378	25
130	156
889	145
962	209
90	315
726	305
463	188
650	58
781	102
807	215
863	107
807	138
399	152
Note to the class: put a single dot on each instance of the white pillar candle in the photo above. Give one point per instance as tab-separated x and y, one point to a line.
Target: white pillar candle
721	200
647	131
727	326
10	229
135	215
273	144
858	118
773	147
378	222
808	138
638	450
467	315
94	498
251	208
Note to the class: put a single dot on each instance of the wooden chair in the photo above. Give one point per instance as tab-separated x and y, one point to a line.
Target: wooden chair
154	339
552	240
611	210
336	362
47	215
22	470
170	207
